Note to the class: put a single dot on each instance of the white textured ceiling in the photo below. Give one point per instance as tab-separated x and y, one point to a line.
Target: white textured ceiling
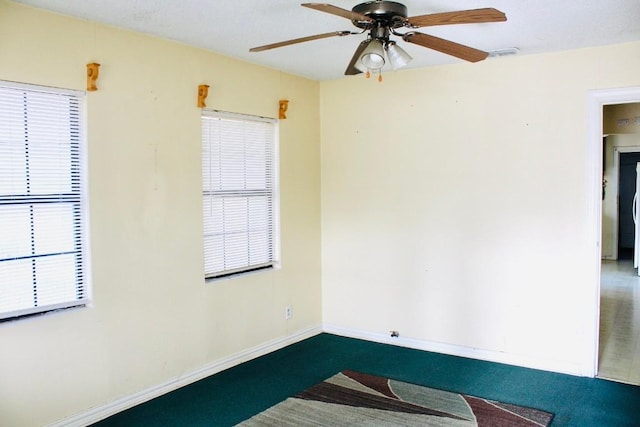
232	27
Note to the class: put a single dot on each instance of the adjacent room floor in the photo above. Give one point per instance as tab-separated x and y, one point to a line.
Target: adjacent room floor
619	322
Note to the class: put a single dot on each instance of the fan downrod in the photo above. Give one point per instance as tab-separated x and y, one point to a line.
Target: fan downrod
385	13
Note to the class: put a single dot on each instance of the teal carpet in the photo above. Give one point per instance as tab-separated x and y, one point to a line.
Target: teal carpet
238	393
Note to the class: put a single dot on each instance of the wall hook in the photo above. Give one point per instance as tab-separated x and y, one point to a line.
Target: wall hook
93	69
284	105
203	92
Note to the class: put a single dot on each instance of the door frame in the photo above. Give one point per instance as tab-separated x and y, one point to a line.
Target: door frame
614	189
596	100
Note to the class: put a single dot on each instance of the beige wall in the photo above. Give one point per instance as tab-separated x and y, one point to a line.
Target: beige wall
153	318
456	204
621	118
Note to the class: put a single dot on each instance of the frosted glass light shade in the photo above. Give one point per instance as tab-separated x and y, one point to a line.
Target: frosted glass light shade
397	56
372	57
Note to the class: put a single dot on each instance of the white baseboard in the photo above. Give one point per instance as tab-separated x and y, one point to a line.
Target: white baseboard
101	412
455	350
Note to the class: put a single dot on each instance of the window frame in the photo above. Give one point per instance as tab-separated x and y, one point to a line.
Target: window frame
274	262
82	285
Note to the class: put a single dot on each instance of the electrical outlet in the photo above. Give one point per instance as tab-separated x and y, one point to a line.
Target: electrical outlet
288	312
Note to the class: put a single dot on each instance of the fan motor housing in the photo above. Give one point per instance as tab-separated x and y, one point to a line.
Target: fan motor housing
387	13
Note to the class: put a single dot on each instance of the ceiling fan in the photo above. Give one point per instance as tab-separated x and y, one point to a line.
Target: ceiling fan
382	19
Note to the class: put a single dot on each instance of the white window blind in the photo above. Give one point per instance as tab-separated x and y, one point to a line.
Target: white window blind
42	260
238	157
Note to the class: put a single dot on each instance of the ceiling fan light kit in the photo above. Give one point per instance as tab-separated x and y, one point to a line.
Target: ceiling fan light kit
381	19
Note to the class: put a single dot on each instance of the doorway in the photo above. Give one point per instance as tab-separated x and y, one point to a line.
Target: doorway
619	356
617	282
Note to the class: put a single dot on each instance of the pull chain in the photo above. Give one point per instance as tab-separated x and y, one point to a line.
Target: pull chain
368	75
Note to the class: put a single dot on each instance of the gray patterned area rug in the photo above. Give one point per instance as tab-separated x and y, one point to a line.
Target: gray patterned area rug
355	399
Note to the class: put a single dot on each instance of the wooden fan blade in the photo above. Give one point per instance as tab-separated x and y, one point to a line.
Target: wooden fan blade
472	16
446	46
351	68
299	40
335	10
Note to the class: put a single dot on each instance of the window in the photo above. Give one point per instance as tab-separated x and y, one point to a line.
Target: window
42	250
238	188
